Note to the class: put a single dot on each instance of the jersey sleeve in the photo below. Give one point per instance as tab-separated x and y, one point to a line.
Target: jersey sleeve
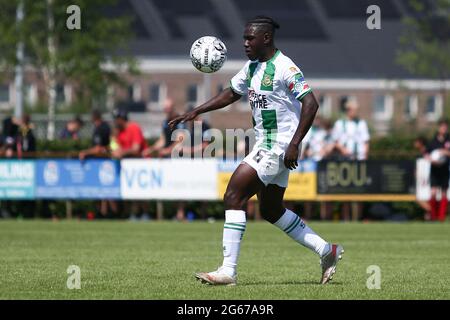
295	82
239	82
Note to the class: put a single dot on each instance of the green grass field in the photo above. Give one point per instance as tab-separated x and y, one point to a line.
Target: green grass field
156	260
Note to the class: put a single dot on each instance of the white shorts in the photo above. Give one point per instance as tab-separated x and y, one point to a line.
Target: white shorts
269	166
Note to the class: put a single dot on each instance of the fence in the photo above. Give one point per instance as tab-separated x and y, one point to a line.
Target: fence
198	179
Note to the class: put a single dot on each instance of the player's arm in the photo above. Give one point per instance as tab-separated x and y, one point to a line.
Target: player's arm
97	150
309	110
223	99
158	145
179	138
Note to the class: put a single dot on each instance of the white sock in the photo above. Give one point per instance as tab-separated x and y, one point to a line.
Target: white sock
233	231
295	228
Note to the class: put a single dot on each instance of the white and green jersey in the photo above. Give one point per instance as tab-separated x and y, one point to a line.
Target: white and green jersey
274	89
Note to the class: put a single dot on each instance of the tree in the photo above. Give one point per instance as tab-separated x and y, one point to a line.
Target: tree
425	42
58	53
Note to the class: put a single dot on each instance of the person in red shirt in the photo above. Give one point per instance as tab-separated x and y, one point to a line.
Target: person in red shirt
130	144
130	139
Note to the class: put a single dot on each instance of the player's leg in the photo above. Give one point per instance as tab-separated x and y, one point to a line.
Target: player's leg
272	209
244	183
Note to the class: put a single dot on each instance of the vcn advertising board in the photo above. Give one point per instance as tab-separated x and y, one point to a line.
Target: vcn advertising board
169	179
74	179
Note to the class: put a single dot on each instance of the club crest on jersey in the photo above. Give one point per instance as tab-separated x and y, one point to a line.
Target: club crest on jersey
267	80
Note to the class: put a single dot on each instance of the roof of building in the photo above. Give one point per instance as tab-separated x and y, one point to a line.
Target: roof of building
325	38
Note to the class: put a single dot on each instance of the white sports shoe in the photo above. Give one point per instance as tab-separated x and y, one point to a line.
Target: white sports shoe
329	262
217	277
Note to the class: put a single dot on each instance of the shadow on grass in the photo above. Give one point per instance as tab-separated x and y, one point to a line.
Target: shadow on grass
280	283
269	283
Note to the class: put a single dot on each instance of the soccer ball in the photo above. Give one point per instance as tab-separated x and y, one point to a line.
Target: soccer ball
208	54
437	157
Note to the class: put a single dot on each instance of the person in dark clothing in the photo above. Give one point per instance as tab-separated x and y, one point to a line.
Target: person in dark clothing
163	147
100	137
26	141
72	129
439	156
9	137
200	137
100	148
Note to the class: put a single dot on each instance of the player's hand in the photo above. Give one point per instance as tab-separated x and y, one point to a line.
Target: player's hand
291	157
189	116
82	155
117	154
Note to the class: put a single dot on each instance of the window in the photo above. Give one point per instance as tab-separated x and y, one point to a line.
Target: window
433	107
130	91
192	93
411	107
383	107
60	97
156	96
154	93
4	93
325	106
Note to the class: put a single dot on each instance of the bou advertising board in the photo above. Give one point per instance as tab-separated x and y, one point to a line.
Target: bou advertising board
17	179
366	180
169	179
73	179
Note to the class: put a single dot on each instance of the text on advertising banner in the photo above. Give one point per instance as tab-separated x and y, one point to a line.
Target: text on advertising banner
169	179
74	179
17	179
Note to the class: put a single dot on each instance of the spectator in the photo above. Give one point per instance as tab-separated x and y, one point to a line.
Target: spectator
100	137
200	139
100	147
129	143
26	141
321	144
313	133
164	145
72	129
351	135
130	140
439	155
9	136
420	144
9	142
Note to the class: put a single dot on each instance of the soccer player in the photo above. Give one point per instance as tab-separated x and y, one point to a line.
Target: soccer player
283	109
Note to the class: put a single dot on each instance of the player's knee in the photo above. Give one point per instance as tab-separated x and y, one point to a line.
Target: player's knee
233	200
271	213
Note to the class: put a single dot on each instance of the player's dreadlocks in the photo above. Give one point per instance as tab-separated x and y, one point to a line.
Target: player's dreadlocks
266	24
